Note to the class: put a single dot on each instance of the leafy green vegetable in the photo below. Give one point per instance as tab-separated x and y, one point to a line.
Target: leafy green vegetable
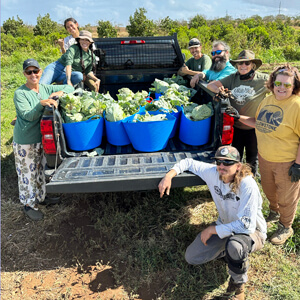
196	112
114	112
149	118
84	105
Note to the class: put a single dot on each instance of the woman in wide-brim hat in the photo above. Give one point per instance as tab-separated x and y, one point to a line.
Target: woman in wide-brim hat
247	86
75	65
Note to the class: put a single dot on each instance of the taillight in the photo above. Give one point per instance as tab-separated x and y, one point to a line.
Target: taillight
133	42
227	132
48	137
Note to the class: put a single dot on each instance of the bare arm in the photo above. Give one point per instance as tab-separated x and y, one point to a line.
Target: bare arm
249	121
184	70
68	74
61	44
215	86
196	78
165	184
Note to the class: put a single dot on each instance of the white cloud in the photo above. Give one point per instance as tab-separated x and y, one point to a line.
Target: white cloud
63	12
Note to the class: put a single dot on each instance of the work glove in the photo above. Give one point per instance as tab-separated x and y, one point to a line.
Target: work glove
232	112
294	172
224	96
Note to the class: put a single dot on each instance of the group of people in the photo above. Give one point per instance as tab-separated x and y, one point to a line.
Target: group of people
75	65
77	62
267	128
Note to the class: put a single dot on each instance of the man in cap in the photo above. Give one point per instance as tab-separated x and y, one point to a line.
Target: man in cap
198	62
247	87
220	68
240	228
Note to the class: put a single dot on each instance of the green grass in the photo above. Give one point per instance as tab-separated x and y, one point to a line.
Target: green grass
142	237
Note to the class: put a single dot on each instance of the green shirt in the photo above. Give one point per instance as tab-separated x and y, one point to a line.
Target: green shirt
72	58
30	110
248	94
198	65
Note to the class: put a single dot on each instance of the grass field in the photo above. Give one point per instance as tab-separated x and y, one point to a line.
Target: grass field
120	245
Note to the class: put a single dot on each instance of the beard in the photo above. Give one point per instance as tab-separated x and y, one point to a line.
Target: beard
219	65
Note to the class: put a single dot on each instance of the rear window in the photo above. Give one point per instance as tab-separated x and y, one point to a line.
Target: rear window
138	53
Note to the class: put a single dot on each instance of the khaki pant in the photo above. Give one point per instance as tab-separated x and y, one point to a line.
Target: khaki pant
282	194
90	83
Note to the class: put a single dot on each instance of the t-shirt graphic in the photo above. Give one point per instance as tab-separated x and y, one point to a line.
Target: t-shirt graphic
241	93
228	196
269	118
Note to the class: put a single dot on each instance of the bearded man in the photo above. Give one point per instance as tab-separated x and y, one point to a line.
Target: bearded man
220	68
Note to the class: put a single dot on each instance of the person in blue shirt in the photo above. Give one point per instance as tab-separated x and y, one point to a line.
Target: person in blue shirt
220	68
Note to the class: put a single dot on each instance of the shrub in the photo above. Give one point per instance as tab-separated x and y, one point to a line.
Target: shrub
11	26
140	25
45	25
8	43
106	30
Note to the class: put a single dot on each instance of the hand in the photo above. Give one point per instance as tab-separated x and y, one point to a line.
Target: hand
207	233
195	80
97	84
69	82
223	93
60	42
49	102
294	172
56	95
232	112
165	186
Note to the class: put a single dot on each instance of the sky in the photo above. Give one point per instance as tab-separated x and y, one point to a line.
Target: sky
119	11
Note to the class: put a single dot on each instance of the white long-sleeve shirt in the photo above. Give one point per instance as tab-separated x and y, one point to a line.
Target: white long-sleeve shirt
239	212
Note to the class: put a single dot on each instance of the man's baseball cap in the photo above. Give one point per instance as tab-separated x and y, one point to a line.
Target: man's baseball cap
228	153
30	63
194	43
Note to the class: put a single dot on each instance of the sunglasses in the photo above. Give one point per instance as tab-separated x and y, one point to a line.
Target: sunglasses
247	63
29	72
225	163
286	85
213	53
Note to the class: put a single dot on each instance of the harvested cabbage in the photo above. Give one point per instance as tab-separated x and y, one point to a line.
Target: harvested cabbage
149	118
201	112
114	112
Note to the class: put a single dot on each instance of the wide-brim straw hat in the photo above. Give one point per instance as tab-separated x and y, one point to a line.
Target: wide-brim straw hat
86	35
247	55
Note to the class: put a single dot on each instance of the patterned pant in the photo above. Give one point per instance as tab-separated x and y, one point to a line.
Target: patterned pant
30	164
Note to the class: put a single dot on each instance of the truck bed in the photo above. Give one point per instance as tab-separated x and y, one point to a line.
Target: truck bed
124	62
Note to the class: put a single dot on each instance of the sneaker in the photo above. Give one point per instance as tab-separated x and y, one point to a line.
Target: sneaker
50	201
33	214
273	216
281	235
234	291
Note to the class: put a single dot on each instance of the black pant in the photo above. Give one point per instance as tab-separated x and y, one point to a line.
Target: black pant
246	139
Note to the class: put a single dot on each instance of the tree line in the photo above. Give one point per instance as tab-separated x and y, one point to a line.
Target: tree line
272	38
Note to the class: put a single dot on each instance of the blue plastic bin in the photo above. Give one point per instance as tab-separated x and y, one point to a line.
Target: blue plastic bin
157	95
116	133
149	136
84	135
195	133
177	115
